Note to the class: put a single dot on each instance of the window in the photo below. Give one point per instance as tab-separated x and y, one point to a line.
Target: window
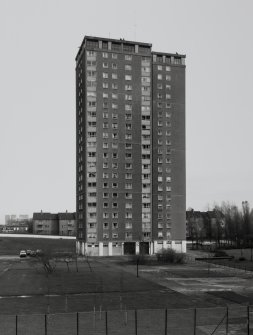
91	53
129	205
114	185
128	225
115	215
128	145
128	137
128	196
114	205
168	105
115	126
105	95
128	77
105	165
128	67
114	165
114	76
114	96
159	76
114	235
128	155
128	215
168	68
168	87
128	166
159	67
128	186
115	225
128	87
105	154
114	86
114	56
114	66
105	85
105	185
105	75
128	107
105	115
168	96
114	116
115	155
105	65
106	175
128	97
115	175
115	195
128	126
105	215
105	54
105	195
105	135
128	57
105	205
128	176
168	77
114	106
105	125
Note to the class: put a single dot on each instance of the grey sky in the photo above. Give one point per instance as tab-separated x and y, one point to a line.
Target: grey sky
39	40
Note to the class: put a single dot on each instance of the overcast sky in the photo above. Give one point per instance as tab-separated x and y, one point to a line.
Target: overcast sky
39	40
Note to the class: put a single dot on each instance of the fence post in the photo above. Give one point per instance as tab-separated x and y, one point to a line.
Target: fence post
248	326
227	323
45	324
195	321
77	323
16	325
106	323
136	324
166	320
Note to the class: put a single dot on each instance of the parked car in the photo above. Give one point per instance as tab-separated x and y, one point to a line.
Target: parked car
33	253
28	252
39	252
22	254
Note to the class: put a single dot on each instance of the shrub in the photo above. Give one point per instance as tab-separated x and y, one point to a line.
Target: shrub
170	256
220	253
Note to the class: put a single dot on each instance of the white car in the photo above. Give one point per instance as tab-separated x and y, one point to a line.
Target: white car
22	253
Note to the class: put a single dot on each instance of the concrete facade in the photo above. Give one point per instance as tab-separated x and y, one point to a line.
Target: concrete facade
130	148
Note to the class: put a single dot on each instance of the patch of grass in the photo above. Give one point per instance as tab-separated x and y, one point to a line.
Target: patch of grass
12	245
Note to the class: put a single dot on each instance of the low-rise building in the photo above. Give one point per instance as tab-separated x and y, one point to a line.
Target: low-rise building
67	224
45	224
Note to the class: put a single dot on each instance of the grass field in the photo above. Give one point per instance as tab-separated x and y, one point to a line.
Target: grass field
12	245
110	284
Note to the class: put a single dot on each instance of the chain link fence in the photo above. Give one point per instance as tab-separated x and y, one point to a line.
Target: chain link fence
236	320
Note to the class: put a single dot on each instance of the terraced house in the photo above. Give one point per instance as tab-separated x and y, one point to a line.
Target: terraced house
130	148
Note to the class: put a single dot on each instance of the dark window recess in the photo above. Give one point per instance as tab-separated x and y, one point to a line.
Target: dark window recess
128	47
116	46
105	45
92	44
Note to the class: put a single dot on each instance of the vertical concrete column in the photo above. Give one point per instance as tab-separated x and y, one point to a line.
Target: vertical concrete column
109	45
151	248
155	247
100	249
122	248
165	246
183	246
100	44
110	248
82	248
136	48
137	248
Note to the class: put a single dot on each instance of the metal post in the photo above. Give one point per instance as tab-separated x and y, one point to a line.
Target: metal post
106	323
248	325
136	324
195	321
16	325
227	323
45	324
166	320
77	323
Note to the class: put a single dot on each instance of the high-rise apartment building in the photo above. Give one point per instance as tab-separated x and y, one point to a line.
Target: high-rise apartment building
130	148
